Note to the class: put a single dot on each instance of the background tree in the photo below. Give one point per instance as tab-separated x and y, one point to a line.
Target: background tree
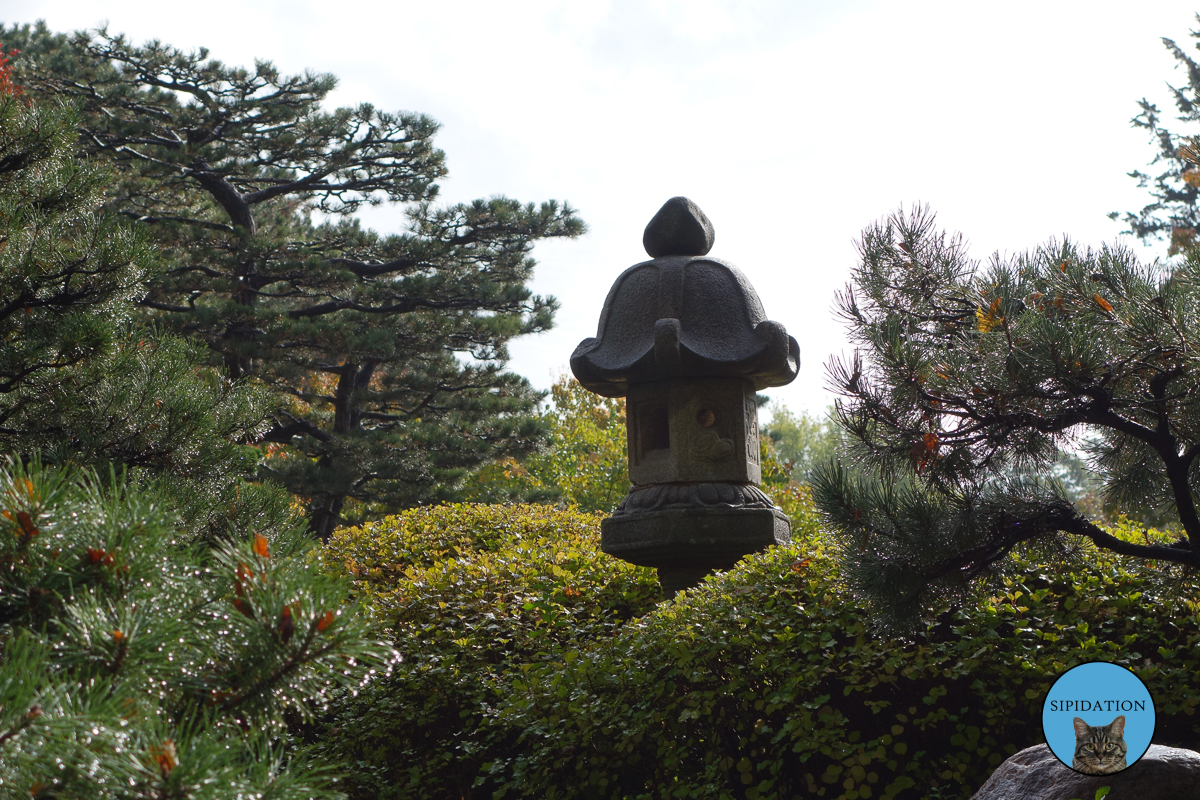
134	663
968	380
80	381
1173	213
387	352
802	440
584	463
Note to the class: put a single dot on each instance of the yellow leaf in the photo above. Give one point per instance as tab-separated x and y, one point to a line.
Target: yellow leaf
991	318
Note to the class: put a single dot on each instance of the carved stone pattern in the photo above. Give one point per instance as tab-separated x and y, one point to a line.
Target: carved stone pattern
692	495
707	445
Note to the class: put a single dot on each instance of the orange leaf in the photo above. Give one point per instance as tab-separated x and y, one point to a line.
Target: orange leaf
1062	267
260	545
241	577
26	523
325	621
95	555
244	607
165	757
118	637
287	625
924	452
1103	303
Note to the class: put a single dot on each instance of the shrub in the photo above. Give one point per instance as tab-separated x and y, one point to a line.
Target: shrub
475	597
525	674
764	682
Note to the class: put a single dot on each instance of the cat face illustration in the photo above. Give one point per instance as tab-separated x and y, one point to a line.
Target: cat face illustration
1099	749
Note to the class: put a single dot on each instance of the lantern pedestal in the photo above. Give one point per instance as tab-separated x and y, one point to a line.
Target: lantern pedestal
685	544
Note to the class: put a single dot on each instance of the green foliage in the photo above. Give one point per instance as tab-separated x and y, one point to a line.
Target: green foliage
968	381
802	440
80	381
794	497
132	667
518	680
386	353
765	682
584	463
1174	212
64	272
796	500
476	598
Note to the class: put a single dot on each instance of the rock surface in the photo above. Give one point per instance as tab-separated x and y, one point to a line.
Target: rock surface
1163	773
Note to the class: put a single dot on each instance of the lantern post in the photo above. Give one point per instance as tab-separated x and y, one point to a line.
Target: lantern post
684	338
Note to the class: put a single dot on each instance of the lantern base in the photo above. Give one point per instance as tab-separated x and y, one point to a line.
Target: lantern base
675	580
685	540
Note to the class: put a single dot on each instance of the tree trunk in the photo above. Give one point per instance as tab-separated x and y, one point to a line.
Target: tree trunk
326	513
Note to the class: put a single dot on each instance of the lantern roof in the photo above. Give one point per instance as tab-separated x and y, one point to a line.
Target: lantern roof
683	315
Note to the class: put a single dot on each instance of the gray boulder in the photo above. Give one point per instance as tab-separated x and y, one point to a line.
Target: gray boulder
1164	773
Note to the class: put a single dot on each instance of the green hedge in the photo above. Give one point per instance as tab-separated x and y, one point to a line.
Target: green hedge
765	682
476	597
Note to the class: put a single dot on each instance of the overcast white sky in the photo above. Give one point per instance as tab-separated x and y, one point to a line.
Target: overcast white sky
792	124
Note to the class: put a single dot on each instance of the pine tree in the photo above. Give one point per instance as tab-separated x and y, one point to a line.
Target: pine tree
135	663
80	381
966	383
132	667
1174	212
387	353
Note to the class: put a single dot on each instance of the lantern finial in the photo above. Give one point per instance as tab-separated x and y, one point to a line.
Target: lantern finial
678	229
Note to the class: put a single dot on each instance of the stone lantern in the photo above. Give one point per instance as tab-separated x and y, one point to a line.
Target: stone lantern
684	339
